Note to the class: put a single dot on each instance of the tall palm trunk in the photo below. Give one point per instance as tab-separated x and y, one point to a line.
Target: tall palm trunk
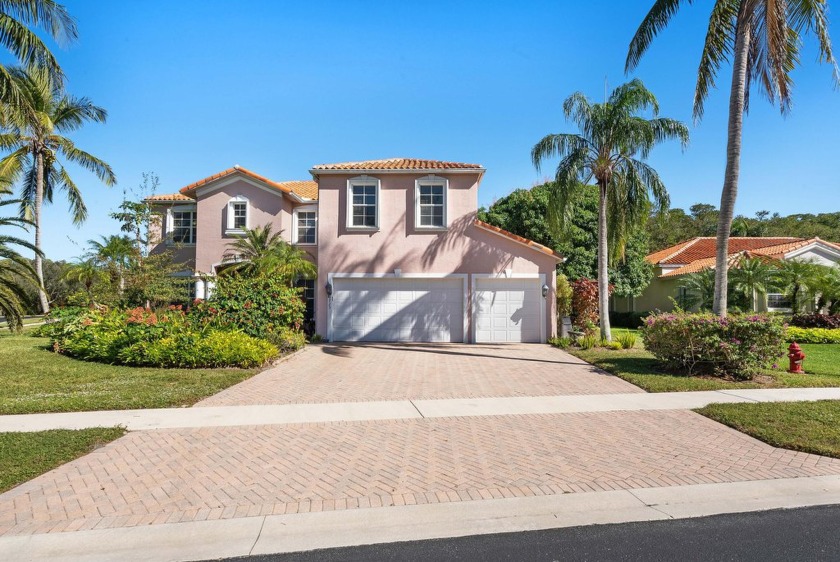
39	203
733	161
603	271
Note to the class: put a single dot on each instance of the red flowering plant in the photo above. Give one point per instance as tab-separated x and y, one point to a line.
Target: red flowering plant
585	304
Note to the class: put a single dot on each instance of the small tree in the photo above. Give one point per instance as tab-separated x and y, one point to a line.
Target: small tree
751	277
135	215
263	252
797	277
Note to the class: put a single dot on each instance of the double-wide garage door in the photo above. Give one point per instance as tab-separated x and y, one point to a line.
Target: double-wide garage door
433	310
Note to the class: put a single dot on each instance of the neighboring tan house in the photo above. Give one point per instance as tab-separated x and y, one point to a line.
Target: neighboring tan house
400	253
698	254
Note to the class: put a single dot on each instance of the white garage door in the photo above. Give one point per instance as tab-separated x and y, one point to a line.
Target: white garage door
508	310
398	309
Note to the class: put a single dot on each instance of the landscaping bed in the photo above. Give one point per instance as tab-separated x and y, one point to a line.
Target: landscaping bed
39	380
24	456
811	427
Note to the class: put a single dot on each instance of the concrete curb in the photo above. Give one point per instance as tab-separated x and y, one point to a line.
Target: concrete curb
292	533
221	416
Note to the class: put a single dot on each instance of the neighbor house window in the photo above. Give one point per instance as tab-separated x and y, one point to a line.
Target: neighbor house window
306	226
237	214
430	206
363	203
778	301
183	226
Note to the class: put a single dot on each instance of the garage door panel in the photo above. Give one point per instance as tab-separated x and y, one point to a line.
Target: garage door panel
508	310
402	309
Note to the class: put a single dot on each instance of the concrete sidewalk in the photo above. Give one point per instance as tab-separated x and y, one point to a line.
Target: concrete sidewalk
229	416
273	534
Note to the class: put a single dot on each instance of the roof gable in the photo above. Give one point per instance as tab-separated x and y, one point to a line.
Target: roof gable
305	189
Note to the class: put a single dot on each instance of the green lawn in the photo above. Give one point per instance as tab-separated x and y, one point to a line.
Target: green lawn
822	365
34	379
812	427
24	456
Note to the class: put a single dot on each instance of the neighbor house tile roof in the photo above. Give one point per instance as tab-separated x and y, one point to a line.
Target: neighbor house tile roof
306	188
167	197
698	254
391	164
516	238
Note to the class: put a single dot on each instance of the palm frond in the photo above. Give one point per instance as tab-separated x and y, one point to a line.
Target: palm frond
655	21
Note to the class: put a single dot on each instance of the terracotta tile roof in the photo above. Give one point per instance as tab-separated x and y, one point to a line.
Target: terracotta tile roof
191	188
168	197
397	164
705	247
307	189
516	238
791	246
709	263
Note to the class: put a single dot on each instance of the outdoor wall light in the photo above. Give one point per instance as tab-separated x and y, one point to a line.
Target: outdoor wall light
544	290
329	289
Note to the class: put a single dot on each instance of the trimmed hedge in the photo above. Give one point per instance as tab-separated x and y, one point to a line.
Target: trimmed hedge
739	346
813	335
816	320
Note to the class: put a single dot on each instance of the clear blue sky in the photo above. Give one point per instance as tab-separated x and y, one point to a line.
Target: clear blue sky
193	87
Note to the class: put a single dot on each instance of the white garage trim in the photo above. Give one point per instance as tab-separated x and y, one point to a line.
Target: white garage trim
462	276
506	275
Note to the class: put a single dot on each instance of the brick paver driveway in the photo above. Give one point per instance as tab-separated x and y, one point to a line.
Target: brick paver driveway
371	372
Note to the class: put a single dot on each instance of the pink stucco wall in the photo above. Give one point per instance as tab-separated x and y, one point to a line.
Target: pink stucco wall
462	248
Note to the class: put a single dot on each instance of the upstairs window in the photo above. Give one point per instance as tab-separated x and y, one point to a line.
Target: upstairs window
363	203
306	231
237	215
430	208
183	225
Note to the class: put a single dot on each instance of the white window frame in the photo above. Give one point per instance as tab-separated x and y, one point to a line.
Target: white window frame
295	226
359	181
776	309
429	181
230	228
170	224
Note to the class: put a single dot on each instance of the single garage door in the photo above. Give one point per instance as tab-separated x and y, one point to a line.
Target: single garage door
508	310
398	309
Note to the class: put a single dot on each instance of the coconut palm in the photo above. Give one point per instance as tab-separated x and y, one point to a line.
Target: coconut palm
16	272
753	276
797	278
610	150
17	17
37	143
260	251
116	253
762	38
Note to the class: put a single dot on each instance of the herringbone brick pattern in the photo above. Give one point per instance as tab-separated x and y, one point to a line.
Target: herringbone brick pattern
168	476
372	372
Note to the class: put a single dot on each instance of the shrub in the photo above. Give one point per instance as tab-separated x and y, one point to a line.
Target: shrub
813	335
587	341
215	348
738	346
630	320
258	306
564	296
562	343
585	303
287	340
627	340
830	321
57	321
614	345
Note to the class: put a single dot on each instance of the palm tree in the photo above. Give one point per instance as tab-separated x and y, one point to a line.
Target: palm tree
36	143
610	149
762	38
87	272
16	272
797	277
116	253
753	276
16	19
699	290
260	251
827	286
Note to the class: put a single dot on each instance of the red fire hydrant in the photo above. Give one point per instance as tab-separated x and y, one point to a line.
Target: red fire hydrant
796	358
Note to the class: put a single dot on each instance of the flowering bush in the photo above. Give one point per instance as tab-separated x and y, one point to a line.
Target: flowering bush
815	320
739	346
258	306
813	335
165	338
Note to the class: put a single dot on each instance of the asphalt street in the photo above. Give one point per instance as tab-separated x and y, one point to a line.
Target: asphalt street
811	534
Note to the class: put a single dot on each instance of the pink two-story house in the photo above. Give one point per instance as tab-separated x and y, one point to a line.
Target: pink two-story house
400	253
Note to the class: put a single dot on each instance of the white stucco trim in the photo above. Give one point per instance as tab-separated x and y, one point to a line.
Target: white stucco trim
505	275
833	251
169	224
431	180
464	277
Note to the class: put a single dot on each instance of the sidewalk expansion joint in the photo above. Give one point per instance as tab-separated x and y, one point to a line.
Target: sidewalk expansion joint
735	393
416	408
259	534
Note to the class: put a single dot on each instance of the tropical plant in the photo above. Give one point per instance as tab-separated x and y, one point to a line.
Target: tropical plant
260	251
698	290
17	17
87	272
610	149
826	284
36	141
116	253
762	39
751	277
16	272
797	278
